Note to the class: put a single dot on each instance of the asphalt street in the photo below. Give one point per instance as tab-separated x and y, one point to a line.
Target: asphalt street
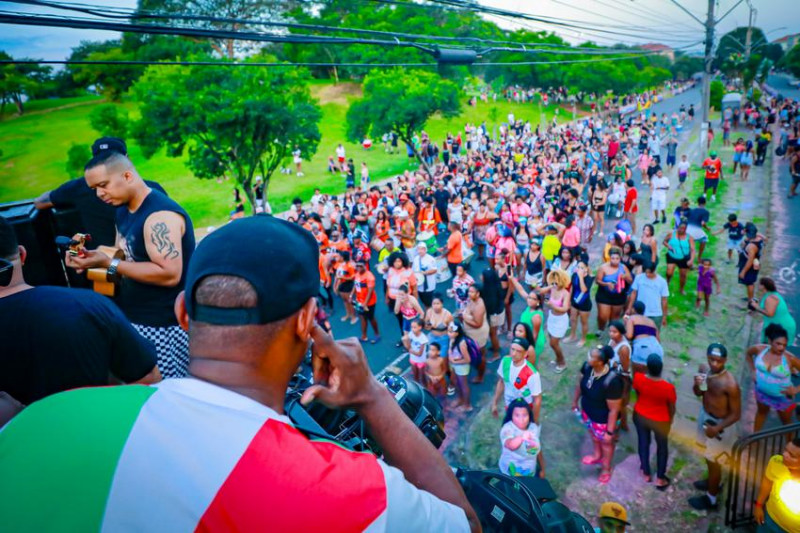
785	219
384	354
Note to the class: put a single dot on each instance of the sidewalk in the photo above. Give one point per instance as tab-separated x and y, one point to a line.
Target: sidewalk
685	340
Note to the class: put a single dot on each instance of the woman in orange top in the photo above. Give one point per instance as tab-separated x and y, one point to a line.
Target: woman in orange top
382	226
343	284
429	218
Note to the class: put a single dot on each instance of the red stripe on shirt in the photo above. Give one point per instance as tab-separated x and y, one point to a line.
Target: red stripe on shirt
284	482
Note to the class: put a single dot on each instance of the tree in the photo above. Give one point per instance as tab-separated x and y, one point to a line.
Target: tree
112	80
109	120
791	61
716	90
401	101
77	156
18	82
233	121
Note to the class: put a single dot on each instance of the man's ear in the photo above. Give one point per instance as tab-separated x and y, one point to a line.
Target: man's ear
180	311
23	254
306	319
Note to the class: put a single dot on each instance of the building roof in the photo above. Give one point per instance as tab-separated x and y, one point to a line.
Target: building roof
655	47
786	37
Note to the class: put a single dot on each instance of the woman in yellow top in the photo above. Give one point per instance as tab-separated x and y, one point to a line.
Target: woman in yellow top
777	507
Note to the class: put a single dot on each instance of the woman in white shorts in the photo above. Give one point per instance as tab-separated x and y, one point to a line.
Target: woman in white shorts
558	318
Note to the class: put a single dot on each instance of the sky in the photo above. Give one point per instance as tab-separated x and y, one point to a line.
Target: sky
612	21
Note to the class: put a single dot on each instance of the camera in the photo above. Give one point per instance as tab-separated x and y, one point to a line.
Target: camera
346	427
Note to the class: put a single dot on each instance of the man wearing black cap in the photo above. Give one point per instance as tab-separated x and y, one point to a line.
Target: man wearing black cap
716	423
96	216
157	237
55	339
215	451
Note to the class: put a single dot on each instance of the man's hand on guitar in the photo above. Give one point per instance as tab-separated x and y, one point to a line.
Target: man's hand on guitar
87	259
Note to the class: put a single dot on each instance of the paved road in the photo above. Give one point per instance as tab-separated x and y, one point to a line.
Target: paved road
785	220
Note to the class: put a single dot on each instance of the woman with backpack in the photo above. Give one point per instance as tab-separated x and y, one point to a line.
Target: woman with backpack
599	391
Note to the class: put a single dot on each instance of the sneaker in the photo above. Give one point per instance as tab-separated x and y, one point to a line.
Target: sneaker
655	222
451	391
663	219
713	197
702	503
701	485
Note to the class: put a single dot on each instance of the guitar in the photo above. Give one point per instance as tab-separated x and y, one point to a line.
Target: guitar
101	282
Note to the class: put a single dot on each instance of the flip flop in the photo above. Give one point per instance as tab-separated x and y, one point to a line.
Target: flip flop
589	460
559	369
603	479
663	488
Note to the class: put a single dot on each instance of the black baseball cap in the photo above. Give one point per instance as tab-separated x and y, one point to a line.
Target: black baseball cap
109	144
279	259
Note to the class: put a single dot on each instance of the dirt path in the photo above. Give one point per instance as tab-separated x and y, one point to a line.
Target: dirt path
52	109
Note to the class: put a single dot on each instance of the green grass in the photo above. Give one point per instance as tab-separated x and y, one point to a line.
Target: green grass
35	148
8	111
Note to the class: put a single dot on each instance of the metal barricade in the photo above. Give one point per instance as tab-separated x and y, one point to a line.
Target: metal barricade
750	457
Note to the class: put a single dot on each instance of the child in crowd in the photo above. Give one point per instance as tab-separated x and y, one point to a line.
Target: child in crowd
735	234
683	170
521	453
416	342
706	274
435	371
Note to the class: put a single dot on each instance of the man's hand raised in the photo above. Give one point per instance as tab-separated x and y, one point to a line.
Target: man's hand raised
341	374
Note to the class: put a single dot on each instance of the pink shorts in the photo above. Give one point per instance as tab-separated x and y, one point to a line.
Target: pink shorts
419	365
597	431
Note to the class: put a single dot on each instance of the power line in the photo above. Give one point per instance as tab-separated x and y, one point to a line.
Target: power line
113	12
291	65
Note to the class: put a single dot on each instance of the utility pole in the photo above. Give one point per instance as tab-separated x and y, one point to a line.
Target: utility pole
709	58
749	36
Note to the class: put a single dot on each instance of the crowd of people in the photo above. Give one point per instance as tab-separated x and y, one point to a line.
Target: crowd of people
518	215
548	215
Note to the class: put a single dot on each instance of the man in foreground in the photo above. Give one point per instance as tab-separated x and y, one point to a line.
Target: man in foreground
214	452
55	339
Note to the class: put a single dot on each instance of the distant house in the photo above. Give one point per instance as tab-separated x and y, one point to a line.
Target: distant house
660	49
788	42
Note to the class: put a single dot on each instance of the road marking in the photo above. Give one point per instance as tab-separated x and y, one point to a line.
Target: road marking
396	365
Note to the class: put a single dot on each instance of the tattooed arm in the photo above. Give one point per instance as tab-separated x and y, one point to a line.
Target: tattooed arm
163	231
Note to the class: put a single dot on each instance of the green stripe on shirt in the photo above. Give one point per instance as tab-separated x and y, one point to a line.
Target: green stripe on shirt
58	457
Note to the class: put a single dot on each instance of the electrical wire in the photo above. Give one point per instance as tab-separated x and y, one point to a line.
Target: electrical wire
288	65
117	13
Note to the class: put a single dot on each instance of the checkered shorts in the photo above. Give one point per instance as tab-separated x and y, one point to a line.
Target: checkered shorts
172	348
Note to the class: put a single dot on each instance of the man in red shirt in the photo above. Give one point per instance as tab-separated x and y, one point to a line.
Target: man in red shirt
713	167
631	205
364	293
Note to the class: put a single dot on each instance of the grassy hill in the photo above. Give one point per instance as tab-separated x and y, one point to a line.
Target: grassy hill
35	148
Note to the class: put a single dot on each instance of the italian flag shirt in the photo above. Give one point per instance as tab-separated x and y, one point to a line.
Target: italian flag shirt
186	455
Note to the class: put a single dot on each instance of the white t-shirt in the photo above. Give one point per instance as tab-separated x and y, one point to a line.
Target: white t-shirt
296	155
421	264
522	461
340	151
527	391
417	343
660	194
683	167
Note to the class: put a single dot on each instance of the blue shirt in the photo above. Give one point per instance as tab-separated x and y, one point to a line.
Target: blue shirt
649	292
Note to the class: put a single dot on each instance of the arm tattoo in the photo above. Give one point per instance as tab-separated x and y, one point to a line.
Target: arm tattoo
160	238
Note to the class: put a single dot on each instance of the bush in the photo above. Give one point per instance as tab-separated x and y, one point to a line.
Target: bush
109	121
716	91
77	157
